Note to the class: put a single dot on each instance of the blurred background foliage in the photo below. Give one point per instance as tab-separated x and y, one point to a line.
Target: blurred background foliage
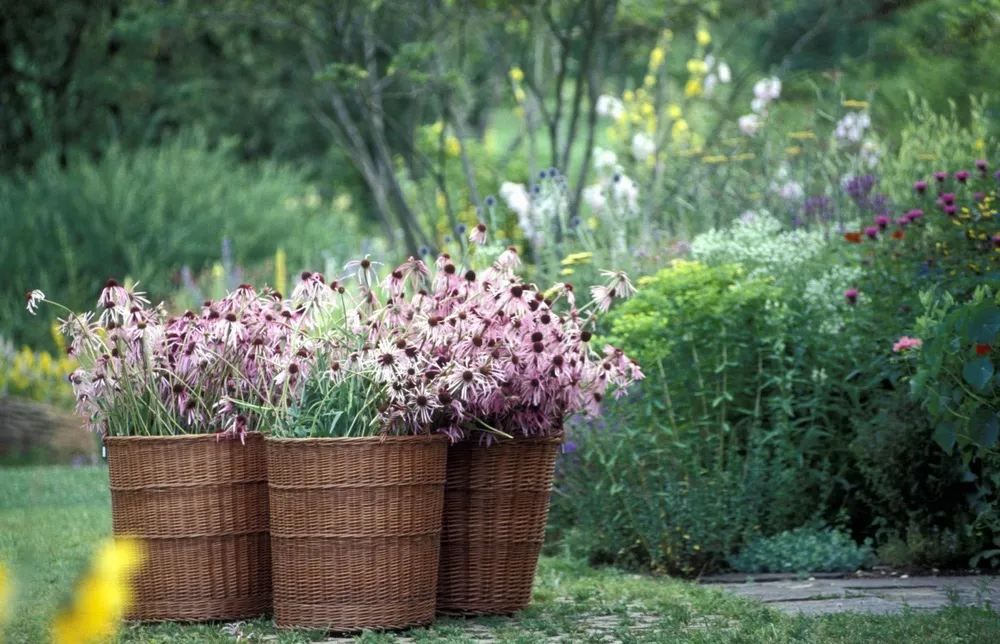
191	146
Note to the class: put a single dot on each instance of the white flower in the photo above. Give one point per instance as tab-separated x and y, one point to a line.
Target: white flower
725	75
710	82
642	147
515	195
758	105
767	89
34	297
852	127
750	124
608	105
871	154
790	190
709	61
748	216
594	196
625	191
604	159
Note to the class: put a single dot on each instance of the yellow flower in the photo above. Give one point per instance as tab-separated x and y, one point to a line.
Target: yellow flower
668	35
612	134
694	88
858	105
927	157
592	223
102	597
803	135
656	58
674	111
628	96
440	201
793	150
436	128
718	158
697	67
6	592
703	37
519	111
451	146
651	124
646	109
979	145
519	95
516	74
577	258
567	271
649	80
680	129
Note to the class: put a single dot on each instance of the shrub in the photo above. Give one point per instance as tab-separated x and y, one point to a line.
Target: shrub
146	214
803	550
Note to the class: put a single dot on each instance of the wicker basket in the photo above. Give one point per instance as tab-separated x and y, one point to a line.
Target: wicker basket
199	504
496	505
355	530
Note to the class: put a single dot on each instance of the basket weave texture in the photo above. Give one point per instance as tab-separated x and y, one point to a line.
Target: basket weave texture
496	506
199	505
355	530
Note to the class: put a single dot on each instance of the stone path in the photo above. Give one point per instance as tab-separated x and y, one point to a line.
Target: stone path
881	595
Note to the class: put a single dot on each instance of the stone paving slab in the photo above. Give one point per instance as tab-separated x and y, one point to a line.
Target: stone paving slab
885	595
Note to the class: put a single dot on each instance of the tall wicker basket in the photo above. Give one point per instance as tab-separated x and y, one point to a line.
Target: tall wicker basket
355	530
199	505
496	506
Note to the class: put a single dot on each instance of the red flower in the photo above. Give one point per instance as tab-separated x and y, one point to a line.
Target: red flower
854	238
982	349
898	234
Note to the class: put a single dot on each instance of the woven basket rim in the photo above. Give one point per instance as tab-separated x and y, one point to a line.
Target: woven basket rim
219	437
355	440
500	440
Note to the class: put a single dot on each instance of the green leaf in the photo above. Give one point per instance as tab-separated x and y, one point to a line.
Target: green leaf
983	427
978	373
945	436
983	325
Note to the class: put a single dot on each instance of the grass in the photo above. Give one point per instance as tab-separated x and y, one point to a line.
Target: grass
51	518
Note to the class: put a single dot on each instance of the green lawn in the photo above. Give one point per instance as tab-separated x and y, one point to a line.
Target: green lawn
51	517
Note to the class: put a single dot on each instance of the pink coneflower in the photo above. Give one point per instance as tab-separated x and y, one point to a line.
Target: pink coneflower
34	297
962	176
950	210
882	222
478	234
905	343
872	232
940	176
920	187
851	295
509	258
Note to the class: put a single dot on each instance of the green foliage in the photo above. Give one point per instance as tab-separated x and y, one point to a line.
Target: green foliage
145	215
803	550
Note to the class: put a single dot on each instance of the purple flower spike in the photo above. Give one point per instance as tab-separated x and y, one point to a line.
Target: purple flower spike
940	176
920	187
851	295
950	210
902	221
981	164
915	214
872	232
962	176
996	241
947	198
882	222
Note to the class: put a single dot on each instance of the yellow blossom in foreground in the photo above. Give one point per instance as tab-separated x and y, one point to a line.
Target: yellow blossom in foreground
628	96
649	80
656	58
519	95
281	271
979	145
857	105
5	594
927	157
674	111
451	146
102	597
804	135
697	67
703	37
646	109
694	88
566	271
793	150
516	74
